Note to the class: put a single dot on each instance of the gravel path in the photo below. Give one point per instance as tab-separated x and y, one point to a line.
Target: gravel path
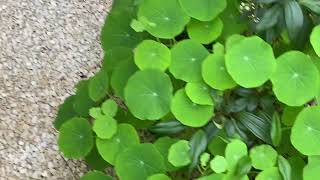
46	46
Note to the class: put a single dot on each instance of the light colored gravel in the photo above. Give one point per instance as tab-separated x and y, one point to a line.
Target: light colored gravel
45	46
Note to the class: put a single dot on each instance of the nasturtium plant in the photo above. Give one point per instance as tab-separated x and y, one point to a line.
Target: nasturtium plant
256	66
205	90
295	79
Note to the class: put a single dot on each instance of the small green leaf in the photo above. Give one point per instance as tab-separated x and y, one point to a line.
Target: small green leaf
204	159
163	145
284	168
150	54
312	169
263	157
95	175
189	113
109	107
205	32
137	26
276	131
268	174
199	93
179	153
159	177
218	164
75	138
305	133
105	127
235	150
215	74
98	85
95	112
139	162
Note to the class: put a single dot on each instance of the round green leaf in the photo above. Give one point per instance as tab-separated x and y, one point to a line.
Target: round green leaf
75	138
268	174
187	57
163	145
204	10
295	78
95	112
109	107
126	136
189	113
95	175
205	32
179	153
204	159
199	93
162	18
120	76
215	74
235	150
314	39
159	177
148	94
105	127
312	169
263	157
250	62
152	55
139	162
305	133
218	164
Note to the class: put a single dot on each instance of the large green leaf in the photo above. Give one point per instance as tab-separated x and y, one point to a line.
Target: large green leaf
204	10
189	113
312	169
126	136
187	55
179	153
250	62
139	162
305	134
162	18
148	94
263	157
205	32
150	54
214	72
75	138
295	78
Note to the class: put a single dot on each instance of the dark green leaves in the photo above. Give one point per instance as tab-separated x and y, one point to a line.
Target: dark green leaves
276	131
284	168
313	5
293	17
198	144
98	85
270	18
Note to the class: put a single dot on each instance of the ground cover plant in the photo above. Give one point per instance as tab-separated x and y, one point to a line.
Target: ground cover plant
200	89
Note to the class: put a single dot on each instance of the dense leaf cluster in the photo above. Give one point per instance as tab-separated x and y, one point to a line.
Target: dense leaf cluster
189	89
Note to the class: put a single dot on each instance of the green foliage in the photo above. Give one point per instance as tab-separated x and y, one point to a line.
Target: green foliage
207	90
